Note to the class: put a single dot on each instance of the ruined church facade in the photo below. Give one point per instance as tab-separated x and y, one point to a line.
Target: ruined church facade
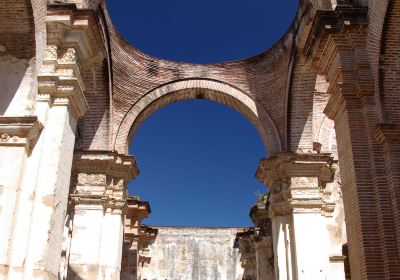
325	100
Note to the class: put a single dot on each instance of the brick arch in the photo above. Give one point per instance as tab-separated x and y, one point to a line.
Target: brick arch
389	61
198	89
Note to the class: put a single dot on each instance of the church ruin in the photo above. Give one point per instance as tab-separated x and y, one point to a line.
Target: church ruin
325	100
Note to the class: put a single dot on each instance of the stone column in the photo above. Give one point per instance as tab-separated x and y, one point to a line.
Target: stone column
264	258
147	237
296	181
99	202
137	211
64	93
245	243
18	135
263	239
42	202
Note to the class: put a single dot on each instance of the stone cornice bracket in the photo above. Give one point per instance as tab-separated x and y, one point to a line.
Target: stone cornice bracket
19	131
109	163
101	177
137	209
69	27
330	22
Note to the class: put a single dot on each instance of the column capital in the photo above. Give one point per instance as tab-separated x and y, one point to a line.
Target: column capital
19	131
63	91
73	40
284	166
296	181
100	179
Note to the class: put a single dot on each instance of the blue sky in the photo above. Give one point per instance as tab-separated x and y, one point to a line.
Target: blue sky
198	158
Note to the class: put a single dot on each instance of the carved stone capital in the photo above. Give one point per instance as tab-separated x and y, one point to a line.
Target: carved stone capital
296	182
63	91
281	171
19	131
83	202
101	177
280	208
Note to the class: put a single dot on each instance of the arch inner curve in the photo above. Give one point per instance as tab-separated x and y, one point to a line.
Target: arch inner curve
198	89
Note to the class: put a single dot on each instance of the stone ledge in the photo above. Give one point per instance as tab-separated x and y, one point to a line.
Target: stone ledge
109	163
19	131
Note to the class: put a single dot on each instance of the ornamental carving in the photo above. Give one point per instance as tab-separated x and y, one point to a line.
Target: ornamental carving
67	56
91	179
50	52
4	137
304	182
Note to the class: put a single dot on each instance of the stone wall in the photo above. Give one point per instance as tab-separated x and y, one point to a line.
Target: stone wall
194	253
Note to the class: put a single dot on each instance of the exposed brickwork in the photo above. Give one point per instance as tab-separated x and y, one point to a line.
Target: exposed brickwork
17	29
377	14
342	56
388	132
136	74
96	122
301	107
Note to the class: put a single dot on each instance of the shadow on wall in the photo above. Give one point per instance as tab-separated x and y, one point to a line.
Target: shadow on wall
72	275
15	81
93	130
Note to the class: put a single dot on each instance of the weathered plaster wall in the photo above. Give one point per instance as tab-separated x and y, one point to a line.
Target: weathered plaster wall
194	254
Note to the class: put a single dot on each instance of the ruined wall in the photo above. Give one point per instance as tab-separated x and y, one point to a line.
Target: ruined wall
194	253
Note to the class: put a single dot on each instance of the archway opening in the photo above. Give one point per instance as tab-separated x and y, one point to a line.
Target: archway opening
194	240
197	160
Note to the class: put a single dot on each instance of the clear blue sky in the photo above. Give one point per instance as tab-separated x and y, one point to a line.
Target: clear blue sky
198	158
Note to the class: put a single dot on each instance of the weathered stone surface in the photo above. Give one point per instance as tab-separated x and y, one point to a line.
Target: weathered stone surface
194	254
